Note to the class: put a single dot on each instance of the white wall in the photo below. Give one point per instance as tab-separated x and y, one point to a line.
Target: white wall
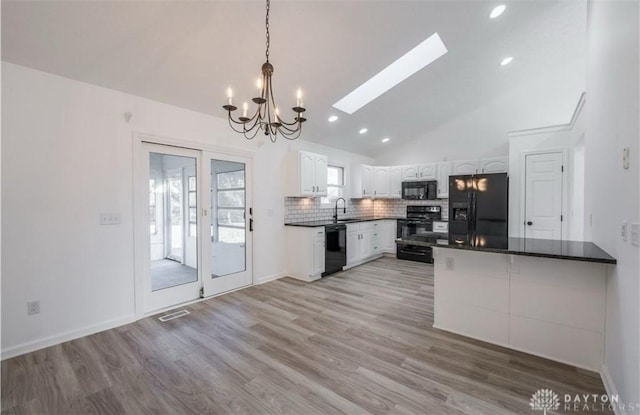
547	100
568	139
67	156
611	192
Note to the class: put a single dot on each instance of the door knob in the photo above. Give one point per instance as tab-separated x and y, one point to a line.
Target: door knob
529	223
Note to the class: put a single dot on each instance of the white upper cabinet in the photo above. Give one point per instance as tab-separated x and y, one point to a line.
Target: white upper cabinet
494	165
464	167
427	171
395	182
420	172
321	164
381	182
307	174
488	165
409	173
444	171
367	181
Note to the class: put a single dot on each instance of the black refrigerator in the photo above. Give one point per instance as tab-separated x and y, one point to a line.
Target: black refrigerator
478	208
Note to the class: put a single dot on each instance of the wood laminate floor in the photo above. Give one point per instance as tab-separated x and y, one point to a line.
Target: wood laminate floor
357	342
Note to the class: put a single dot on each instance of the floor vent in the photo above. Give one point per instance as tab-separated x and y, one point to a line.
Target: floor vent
175	314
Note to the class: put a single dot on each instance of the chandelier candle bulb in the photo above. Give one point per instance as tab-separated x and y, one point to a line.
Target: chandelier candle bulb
245	108
230	95
299	98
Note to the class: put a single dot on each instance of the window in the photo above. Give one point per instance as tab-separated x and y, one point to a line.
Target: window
230	198
335	185
193	207
153	224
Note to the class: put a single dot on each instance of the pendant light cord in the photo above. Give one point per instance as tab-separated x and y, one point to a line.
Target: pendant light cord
267	27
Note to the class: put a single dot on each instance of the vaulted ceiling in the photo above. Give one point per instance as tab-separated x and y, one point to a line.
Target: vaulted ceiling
187	53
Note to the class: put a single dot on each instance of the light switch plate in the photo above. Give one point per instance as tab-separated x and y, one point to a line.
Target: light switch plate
109	219
635	234
623	231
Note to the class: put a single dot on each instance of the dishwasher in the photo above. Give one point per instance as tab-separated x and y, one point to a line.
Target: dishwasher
335	255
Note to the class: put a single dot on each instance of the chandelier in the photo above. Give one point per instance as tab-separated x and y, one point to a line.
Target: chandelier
267	116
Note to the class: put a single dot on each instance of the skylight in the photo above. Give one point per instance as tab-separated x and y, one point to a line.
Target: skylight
411	62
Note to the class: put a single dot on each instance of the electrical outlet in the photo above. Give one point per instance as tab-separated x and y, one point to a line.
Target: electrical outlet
449	264
33	307
623	231
635	234
109	219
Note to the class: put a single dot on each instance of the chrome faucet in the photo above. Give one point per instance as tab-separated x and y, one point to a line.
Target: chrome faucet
344	207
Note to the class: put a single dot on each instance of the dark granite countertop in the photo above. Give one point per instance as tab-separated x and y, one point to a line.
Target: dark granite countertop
318	223
544	248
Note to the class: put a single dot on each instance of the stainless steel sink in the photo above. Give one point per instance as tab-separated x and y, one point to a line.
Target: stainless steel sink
346	220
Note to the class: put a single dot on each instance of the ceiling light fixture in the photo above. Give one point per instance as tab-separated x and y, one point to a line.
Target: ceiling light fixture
497	11
386	139
506	61
333	118
411	62
267	116
363	130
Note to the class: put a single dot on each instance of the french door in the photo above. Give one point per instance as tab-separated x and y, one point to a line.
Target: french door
228	224
196	224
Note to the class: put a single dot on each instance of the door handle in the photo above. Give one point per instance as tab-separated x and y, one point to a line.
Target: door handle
529	223
250	225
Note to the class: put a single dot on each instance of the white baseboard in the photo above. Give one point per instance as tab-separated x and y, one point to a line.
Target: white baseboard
64	337
271	278
610	387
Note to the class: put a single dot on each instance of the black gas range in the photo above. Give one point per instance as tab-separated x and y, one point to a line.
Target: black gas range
418	225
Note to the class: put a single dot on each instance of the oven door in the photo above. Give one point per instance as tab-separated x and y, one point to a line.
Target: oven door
407	227
415	253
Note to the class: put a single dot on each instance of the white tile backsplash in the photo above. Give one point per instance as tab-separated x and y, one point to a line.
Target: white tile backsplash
305	209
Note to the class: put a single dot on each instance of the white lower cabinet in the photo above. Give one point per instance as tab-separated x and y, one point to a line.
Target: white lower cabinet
305	252
388	236
353	243
363	242
318	253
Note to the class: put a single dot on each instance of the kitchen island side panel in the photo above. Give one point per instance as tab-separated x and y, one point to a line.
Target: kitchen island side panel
552	308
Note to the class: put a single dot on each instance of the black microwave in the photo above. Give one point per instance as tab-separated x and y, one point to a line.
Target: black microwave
424	190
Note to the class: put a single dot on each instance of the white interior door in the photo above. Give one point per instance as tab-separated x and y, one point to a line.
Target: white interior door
228	225
543	196
171	272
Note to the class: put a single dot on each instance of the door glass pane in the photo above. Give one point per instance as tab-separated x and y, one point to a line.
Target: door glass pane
228	214
172	212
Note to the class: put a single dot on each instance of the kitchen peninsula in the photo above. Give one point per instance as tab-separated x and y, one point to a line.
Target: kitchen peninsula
543	297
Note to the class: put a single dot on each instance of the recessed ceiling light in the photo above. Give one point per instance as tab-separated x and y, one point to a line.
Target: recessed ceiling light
384	140
497	11
405	66
363	130
506	61
333	118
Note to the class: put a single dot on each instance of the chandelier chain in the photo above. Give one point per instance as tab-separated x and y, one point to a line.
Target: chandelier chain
267	27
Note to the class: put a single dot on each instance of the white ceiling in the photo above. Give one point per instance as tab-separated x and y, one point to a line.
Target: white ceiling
187	53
